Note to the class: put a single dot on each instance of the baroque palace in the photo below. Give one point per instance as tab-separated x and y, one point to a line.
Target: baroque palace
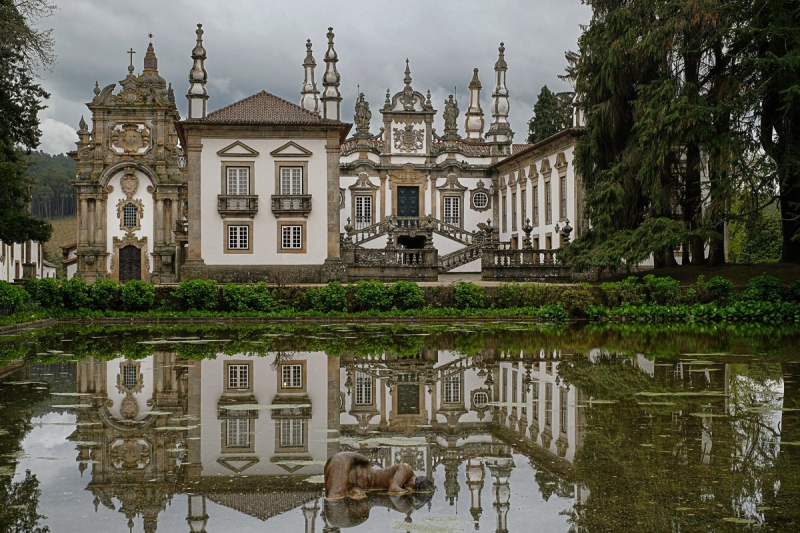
264	189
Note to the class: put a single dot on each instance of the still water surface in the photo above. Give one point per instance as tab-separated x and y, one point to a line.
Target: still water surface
521	428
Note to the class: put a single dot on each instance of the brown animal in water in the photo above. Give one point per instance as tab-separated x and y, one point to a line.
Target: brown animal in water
350	474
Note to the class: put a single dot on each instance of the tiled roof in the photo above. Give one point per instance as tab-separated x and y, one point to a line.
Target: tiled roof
263	505
515	148
264	108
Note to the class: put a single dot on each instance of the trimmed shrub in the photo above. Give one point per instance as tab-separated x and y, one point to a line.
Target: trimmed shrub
469	296
407	295
104	294
763	288
137	296
332	297
75	293
372	295
243	298
717	289
793	292
45	292
12	298
197	294
628	290
662	290
577	299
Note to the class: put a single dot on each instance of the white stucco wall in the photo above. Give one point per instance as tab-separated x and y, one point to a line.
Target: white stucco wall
146	222
265	243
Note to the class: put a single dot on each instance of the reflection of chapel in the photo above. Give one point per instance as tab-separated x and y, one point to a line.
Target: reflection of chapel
264	189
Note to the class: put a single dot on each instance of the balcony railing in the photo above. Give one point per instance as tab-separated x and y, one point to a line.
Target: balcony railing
237	205
291	204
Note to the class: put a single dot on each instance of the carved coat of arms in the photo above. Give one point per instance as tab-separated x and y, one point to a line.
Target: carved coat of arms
408	139
130	139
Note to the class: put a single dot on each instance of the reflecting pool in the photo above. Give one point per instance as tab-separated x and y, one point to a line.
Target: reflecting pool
196	429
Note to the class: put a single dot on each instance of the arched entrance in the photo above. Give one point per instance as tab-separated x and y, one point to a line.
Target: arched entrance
130	263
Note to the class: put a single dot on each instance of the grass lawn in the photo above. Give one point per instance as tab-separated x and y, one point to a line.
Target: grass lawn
738	274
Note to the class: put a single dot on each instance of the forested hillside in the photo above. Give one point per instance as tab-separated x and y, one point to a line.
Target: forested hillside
53	194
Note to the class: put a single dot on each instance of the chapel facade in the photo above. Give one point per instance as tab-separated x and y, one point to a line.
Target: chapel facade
282	192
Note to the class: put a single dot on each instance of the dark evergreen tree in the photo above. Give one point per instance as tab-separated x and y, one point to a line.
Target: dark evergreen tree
552	113
20	102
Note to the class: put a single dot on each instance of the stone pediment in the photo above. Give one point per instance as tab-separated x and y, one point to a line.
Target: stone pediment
409	102
238	149
291	149
136	91
238	464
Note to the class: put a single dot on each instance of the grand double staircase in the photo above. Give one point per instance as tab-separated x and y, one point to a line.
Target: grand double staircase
394	254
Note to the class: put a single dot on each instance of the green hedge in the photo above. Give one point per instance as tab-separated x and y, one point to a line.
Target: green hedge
652	299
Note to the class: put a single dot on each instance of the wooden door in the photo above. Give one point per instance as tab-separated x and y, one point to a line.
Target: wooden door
130	263
408	201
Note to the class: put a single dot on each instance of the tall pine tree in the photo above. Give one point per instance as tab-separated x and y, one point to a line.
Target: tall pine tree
552	113
21	50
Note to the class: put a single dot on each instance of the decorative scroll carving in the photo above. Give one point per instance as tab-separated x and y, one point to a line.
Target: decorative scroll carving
408	139
130	454
129	183
408	175
139	214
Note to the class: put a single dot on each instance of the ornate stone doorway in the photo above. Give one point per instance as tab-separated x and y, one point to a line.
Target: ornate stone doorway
130	263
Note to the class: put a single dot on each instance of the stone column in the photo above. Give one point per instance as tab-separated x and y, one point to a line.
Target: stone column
194	261
83	215
383	195
334	422
432	210
159	230
333	149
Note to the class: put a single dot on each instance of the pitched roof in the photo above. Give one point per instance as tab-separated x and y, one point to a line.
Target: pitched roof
265	108
516	148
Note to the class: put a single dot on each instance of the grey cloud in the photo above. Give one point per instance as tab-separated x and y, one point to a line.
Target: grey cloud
256	45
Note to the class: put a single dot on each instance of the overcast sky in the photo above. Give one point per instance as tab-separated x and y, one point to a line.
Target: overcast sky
256	45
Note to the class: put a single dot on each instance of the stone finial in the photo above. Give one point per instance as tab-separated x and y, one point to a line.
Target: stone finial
150	61
331	97
198	95
309	99
473	125
388	100
407	78
83	127
500	130
96	88
428	102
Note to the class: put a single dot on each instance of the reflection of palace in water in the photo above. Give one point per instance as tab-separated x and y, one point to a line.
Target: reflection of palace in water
247	432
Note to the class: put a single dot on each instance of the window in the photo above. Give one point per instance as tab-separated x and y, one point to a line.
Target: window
238	180
563	197
237	434
452	210
291	376
480	399
239	376
291	237
291	180
548	204
514	380
363	211
535	400
292	433
524	206
536	206
562	405
513	211
238	237
452	388
129	376
129	213
548	404
480	200
363	389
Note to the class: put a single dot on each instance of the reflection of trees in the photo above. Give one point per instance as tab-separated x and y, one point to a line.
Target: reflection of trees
18	500
652	464
18	506
550	483
782	490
